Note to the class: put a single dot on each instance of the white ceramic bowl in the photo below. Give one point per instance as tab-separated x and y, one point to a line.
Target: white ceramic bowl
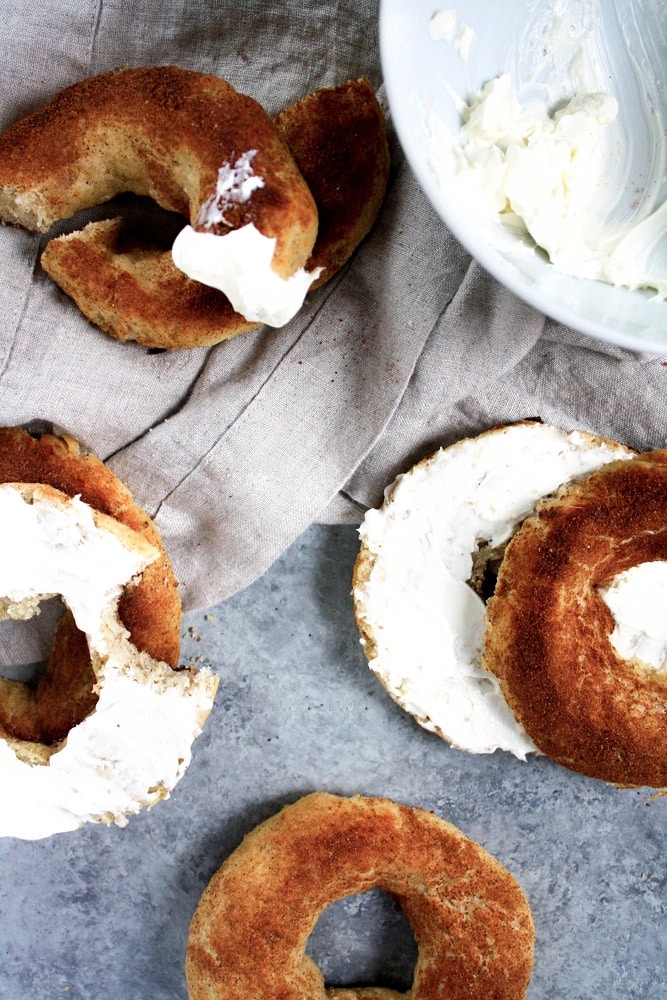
626	44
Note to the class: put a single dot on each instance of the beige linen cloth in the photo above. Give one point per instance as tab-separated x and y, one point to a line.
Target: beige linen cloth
236	449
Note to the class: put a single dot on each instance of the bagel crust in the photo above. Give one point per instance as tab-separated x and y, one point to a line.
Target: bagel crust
150	608
472	924
548	634
427	562
337	136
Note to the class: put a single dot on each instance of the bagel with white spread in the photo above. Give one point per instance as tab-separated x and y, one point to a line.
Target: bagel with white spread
577	626
108	728
419	579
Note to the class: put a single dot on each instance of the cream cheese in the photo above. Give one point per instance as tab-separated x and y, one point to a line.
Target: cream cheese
426	622
443	28
565	169
239	264
236	183
637	600
136	744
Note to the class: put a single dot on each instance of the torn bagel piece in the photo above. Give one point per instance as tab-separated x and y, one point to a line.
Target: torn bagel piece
428	561
273	209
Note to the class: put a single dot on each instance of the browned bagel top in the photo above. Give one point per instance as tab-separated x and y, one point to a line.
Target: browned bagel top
471	922
338	138
132	289
548	630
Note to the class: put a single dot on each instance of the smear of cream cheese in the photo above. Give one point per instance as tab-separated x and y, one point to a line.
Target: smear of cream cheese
637	599
443	28
426	621
235	186
239	264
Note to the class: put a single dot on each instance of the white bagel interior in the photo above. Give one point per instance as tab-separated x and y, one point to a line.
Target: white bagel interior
422	623
136	744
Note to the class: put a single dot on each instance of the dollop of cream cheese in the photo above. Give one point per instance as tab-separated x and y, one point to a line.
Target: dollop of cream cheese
637	599
136	744
541	172
427	623
238	263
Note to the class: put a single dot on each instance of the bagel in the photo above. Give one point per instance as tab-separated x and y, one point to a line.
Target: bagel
133	748
425	566
150	608
191	143
166	133
131	288
337	136
590	688
471	921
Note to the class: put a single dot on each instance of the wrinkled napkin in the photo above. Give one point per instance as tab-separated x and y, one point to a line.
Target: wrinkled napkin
236	449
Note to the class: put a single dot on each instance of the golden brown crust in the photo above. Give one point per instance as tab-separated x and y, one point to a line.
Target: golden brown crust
133	291
158	131
471	922
548	627
338	138
149	609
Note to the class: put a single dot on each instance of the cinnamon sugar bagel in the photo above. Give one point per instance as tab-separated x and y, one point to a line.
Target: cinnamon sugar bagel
133	290
589	684
197	147
149	608
166	133
471	921
427	563
135	745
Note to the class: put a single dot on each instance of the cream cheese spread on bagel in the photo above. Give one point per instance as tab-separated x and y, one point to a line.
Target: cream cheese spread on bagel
637	598
421	620
239	264
135	745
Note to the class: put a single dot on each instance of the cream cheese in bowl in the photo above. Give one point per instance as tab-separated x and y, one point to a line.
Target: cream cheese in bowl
537	130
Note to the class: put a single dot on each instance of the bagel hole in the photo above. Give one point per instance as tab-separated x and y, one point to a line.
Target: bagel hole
25	645
362	940
144	223
485	568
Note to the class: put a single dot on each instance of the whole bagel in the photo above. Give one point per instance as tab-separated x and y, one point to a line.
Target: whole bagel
471	921
548	634
149	609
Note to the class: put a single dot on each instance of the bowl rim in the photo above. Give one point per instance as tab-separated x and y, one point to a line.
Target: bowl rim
490	258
